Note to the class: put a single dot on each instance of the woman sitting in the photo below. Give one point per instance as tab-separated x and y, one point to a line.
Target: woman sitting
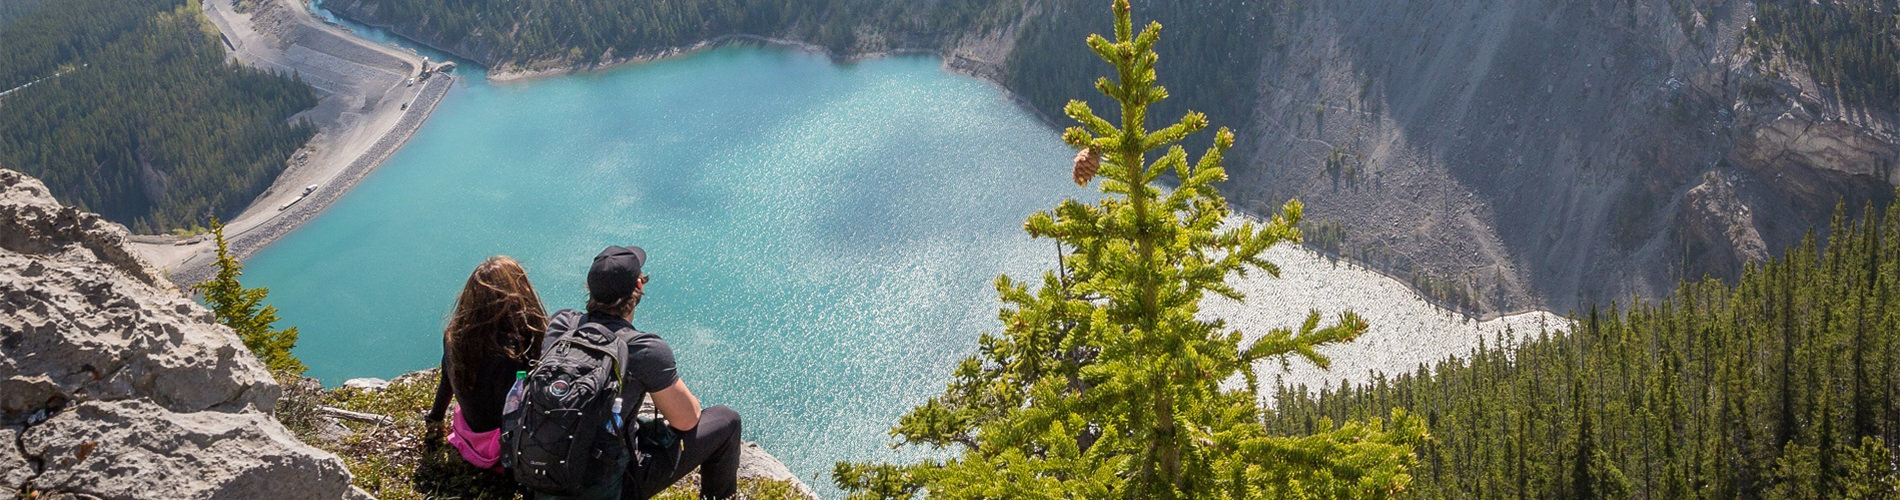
495	331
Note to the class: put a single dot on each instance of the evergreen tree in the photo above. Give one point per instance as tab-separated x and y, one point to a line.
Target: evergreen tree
1106	382
1594	475
1583	486
243	309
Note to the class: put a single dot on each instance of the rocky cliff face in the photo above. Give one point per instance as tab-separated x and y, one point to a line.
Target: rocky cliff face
1549	151
115	385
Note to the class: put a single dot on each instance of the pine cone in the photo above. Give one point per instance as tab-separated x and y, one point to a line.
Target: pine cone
1087	161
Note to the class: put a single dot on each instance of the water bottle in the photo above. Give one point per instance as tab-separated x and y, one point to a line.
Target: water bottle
514	393
614	425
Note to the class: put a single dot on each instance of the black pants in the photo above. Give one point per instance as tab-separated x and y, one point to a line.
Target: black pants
713	447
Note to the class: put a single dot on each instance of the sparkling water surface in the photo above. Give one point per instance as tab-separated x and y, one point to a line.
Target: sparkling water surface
823	237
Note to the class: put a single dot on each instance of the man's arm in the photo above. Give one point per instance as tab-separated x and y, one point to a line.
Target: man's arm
678	405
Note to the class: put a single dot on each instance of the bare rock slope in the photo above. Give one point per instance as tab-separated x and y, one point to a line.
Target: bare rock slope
115	385
1554	153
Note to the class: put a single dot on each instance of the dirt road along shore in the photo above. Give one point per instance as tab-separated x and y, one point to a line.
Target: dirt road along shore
366	109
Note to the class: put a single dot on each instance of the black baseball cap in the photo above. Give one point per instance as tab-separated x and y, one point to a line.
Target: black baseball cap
616	272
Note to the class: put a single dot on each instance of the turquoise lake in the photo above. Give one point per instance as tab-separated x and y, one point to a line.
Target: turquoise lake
823	237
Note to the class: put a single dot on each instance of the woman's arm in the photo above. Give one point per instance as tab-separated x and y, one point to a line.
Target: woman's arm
678	405
443	393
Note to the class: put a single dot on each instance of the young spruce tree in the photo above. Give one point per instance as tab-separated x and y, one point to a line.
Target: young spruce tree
1106	382
244	310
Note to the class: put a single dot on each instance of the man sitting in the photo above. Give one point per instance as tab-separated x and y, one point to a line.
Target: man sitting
688	437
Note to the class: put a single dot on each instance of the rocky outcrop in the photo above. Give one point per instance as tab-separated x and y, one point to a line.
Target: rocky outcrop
1797	138
91	447
116	385
31	223
754	462
1720	227
1551	153
14	469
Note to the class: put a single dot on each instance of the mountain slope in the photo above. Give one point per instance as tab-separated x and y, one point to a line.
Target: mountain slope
1573	152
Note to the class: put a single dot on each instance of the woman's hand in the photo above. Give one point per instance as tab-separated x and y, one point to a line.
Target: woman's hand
432	431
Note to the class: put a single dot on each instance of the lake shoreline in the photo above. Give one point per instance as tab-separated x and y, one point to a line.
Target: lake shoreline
189	260
954	61
965	57
516	75
370	103
243	245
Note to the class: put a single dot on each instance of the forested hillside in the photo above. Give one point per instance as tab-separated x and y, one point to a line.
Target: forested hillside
137	114
1853	47
1212	48
583	30
16	9
1786	385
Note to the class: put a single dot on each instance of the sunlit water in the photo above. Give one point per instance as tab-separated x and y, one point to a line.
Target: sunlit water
823	237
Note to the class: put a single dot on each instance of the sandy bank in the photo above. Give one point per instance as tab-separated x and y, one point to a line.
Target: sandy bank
280	222
366	109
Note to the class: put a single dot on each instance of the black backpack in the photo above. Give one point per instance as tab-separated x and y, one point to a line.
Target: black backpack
565	438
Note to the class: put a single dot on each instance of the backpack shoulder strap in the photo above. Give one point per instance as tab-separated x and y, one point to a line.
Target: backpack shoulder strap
561	324
620	363
616	345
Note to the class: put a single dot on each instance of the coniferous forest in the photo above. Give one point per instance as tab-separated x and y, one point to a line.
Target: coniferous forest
16	9
137	115
1851	47
1784	385
583	30
1216	48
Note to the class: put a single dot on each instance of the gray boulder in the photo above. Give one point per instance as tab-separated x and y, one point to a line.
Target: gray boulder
366	384
114	384
81	319
14	470
135	449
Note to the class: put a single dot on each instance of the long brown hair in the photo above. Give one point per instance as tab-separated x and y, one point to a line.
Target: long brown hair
497	313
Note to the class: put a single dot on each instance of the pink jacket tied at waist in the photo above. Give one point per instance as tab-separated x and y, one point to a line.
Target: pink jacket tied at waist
480	448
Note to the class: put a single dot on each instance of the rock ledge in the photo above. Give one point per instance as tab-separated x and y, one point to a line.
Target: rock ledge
115	385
